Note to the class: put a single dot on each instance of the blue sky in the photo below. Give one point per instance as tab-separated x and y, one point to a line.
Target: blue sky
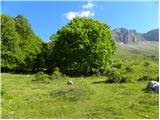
47	17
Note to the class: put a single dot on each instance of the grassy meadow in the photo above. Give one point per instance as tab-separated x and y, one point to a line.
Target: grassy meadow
146	48
89	97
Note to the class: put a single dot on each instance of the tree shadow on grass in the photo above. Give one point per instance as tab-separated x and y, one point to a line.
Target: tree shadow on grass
99	82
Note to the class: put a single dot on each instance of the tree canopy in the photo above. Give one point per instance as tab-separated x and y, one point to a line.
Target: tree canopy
10	50
19	45
83	45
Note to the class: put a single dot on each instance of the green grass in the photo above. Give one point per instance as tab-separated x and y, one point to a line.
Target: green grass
146	48
21	98
89	97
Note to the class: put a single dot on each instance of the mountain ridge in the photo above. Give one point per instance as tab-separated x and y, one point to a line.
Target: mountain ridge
126	36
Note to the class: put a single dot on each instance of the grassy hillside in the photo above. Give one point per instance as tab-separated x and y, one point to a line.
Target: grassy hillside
89	97
147	48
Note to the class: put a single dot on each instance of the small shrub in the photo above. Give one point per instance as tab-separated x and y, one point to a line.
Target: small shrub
147	64
129	69
2	92
147	77
56	74
41	77
117	65
115	77
157	79
144	78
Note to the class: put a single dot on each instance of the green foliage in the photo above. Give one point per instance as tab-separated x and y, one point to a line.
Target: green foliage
30	43
20	47
41	77
117	64
129	69
115	77
10	51
143	78
83	45
56	74
147	78
132	69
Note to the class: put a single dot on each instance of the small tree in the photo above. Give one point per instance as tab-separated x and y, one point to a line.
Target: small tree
83	45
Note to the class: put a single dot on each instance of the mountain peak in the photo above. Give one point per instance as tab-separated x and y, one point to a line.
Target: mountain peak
125	36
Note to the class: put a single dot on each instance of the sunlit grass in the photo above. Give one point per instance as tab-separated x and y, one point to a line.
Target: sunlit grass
86	98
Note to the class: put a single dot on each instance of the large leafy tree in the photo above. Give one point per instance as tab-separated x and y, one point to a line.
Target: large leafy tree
83	45
10	51
21	48
30	43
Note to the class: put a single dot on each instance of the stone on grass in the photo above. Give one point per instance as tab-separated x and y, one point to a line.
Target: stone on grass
69	82
153	86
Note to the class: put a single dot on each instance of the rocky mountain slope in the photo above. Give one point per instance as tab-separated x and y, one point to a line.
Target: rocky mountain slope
152	35
125	36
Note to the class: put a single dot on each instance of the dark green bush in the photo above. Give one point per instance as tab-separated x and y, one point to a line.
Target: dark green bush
157	79
56	74
147	77
117	65
147	64
41	77
144	78
115	77
129	69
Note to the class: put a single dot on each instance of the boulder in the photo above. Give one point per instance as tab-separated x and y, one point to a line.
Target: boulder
153	86
69	82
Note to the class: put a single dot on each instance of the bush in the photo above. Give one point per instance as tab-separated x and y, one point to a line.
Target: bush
129	69
147	77
56	74
144	78
115	77
157	79
117	65
41	77
147	64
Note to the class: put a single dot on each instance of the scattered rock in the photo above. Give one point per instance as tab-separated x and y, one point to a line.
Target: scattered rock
153	86
69	82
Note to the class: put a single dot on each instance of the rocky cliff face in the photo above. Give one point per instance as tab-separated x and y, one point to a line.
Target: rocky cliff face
131	36
152	35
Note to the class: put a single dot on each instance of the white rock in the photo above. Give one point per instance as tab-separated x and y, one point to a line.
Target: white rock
69	82
154	86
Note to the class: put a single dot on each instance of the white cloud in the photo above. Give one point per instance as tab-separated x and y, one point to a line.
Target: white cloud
86	11
89	5
71	15
86	14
